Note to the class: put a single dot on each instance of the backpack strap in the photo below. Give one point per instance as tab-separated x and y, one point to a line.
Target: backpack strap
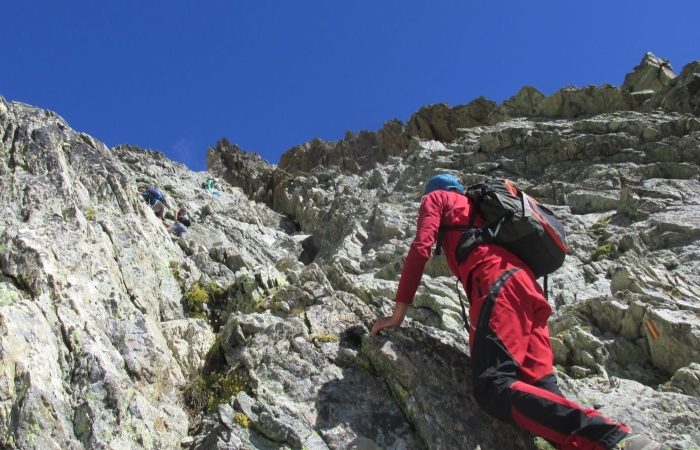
441	233
461	303
454	227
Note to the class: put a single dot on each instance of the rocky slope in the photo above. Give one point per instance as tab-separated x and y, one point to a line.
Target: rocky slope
252	331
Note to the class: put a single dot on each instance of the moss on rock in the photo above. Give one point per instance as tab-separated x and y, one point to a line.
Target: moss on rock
607	250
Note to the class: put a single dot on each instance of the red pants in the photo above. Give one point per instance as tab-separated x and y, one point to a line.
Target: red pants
512	362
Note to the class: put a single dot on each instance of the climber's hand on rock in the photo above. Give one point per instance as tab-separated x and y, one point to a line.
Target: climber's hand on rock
391	321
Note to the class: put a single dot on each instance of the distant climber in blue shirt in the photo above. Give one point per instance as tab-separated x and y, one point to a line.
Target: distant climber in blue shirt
155	199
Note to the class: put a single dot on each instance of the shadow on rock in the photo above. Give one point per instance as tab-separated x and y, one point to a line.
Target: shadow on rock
428	374
357	411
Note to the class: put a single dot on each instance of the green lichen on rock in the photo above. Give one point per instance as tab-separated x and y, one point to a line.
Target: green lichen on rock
674	292
8	294
297	310
261	304
7	440
208	391
542	444
241	419
323	338
90	212
602	222
195	300
607	250
217	383
205	302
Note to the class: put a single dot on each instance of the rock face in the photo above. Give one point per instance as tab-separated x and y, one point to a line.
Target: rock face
95	343
354	153
242	169
252	332
651	74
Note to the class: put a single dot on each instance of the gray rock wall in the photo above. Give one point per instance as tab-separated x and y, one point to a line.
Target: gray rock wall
625	180
96	346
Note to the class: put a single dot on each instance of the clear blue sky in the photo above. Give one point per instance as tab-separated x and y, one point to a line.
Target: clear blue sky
177	76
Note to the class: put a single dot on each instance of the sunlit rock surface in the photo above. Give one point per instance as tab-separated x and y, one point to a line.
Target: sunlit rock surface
252	332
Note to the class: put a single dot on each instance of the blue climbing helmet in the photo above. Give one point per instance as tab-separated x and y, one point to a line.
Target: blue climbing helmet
444	182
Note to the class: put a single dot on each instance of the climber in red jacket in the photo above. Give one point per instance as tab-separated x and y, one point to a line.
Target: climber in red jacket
511	355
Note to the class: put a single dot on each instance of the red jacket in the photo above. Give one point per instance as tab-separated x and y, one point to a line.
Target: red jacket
446	208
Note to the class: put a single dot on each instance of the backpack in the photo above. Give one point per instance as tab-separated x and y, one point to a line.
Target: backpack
155	194
516	221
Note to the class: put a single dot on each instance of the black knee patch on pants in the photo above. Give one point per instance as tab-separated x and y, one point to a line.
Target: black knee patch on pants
493	368
492	391
549	383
